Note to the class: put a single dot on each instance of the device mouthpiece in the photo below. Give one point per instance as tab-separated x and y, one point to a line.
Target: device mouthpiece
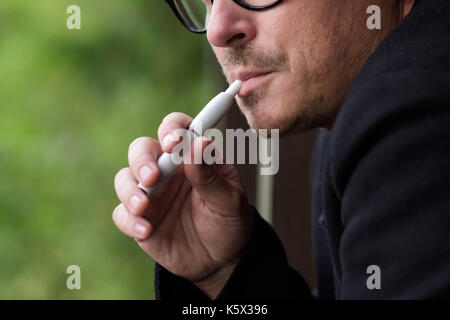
233	89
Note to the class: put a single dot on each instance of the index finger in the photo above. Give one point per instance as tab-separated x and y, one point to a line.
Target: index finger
174	122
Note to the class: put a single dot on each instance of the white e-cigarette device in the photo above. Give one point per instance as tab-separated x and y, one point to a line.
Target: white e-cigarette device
208	118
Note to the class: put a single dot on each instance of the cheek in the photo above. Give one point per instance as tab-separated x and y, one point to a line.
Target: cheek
296	37
219	53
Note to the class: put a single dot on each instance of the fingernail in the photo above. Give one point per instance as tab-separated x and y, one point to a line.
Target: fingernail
168	139
115	211
134	202
207	139
140	229
145	172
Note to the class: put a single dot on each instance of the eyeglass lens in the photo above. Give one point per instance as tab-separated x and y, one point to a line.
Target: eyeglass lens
195	13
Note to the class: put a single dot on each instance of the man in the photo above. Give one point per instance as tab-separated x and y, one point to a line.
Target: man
381	182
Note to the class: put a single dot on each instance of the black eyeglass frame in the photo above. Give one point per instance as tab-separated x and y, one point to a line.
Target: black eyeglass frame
242	3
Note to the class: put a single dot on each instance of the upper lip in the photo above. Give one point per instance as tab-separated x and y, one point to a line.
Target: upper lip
245	75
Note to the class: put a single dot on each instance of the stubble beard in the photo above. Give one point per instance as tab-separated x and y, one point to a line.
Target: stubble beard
308	114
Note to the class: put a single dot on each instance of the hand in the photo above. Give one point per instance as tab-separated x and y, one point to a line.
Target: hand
197	224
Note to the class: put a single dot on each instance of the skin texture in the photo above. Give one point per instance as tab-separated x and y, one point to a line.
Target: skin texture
198	223
316	48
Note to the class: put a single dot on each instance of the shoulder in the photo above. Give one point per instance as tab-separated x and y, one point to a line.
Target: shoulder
403	89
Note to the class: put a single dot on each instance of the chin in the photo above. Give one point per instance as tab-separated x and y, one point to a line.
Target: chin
263	116
288	117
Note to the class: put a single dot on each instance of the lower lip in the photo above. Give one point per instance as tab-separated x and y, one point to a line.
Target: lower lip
251	84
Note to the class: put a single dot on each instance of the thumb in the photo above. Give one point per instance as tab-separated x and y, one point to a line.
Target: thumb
208	179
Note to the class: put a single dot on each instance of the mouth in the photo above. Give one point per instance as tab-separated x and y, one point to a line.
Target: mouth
250	81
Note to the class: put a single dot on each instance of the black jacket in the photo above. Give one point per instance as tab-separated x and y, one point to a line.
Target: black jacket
381	183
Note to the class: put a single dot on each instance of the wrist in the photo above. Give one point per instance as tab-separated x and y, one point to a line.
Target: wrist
212	285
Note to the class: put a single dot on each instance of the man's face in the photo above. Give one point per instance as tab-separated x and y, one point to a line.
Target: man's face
298	58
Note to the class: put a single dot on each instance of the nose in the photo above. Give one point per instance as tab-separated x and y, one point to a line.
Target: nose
229	25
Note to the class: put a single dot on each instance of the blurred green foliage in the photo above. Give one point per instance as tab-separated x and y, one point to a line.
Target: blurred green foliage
71	101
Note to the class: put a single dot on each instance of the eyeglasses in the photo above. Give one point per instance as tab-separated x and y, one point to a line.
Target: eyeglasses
194	14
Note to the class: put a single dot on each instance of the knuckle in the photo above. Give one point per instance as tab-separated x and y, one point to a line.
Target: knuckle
180	133
143	149
172	116
120	174
172	120
162	130
138	142
129	187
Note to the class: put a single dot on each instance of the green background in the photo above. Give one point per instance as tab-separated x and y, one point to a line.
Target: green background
71	102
